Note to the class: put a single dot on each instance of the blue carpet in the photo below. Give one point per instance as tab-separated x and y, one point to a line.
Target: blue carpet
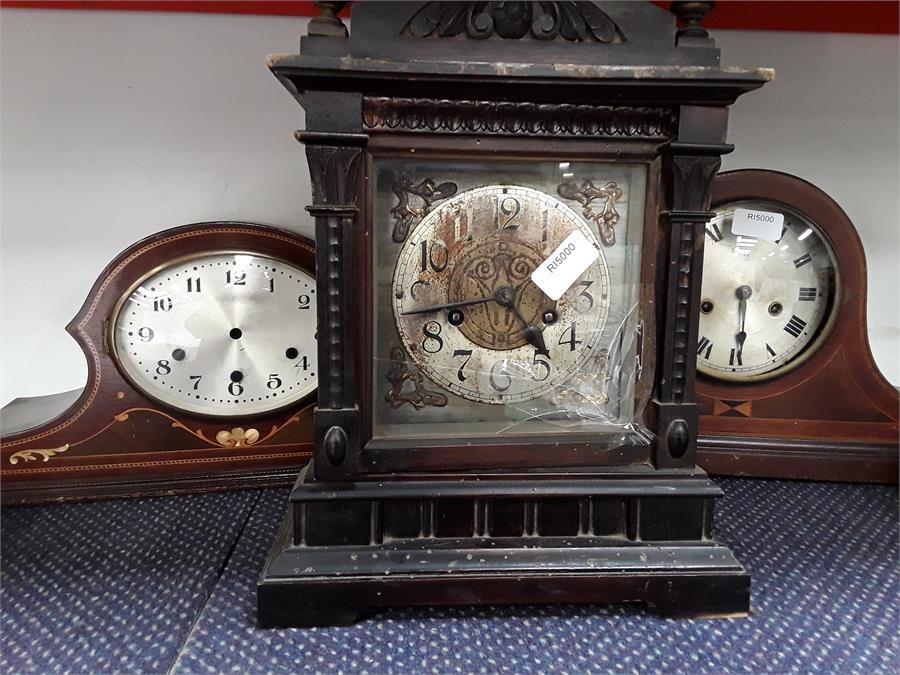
110	586
825	599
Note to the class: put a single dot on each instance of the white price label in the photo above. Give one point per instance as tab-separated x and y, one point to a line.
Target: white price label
562	268
759	224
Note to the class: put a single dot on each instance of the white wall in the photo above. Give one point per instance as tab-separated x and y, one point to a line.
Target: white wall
116	125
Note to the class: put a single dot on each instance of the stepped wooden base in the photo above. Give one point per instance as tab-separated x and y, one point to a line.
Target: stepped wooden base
346	551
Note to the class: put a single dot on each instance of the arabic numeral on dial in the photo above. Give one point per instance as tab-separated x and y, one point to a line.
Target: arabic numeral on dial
413	290
236	279
460	374
272	285
196	380
573	340
303	363
193	285
145	334
162	304
235	388
460	215
303	301
163	367
435	256
507	209
274	381
500	378
432	331
584	298
544	365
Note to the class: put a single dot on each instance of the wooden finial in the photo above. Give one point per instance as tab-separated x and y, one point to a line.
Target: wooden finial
328	23
690	14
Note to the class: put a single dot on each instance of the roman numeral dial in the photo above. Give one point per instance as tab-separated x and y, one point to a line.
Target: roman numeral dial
765	302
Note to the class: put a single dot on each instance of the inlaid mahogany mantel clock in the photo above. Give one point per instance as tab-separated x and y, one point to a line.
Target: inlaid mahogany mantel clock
510	201
787	385
201	356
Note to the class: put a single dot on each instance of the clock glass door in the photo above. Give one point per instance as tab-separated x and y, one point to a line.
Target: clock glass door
505	296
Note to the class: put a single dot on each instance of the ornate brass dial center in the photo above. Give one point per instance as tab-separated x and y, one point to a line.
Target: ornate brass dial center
498	265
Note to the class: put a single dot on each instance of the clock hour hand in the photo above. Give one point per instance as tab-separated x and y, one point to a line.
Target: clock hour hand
742	293
506	297
535	337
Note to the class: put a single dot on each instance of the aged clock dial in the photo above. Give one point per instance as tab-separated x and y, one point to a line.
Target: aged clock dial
221	333
766	300
467	310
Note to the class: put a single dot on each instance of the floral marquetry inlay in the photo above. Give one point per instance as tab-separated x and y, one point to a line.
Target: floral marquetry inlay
30	455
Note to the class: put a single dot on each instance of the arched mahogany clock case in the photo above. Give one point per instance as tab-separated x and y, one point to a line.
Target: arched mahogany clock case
834	416
113	440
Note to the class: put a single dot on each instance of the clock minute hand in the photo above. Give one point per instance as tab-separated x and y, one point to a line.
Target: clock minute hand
503	296
449	305
743	292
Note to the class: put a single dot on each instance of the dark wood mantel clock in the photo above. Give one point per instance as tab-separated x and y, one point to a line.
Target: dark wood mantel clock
510	201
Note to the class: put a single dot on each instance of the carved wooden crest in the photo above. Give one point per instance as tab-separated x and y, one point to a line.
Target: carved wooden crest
571	21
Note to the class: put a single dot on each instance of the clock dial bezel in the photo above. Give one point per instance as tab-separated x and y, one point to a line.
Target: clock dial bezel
112	321
562	311
823	327
849	312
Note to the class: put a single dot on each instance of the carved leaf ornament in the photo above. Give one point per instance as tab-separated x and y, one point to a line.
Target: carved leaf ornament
572	21
515	118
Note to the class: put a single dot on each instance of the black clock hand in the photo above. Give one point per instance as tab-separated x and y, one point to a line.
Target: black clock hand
742	293
533	334
449	305
505	297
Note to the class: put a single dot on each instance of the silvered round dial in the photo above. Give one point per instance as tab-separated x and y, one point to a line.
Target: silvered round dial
764	302
467	311
220	334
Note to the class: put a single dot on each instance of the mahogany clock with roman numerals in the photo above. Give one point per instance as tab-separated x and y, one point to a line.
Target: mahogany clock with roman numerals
787	384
